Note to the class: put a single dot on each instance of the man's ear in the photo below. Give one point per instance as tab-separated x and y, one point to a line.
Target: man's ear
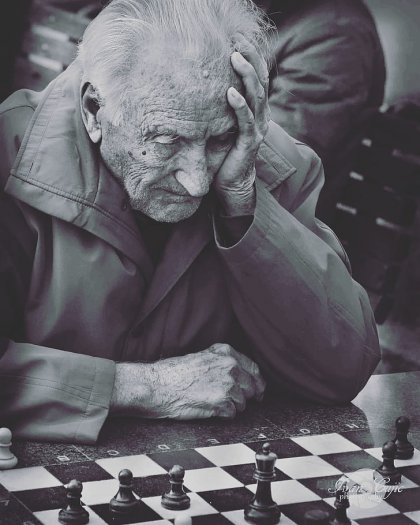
89	106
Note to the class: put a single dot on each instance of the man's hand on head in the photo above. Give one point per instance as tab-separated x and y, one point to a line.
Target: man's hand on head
234	183
214	382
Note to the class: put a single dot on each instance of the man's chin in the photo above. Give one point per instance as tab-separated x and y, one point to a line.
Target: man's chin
173	212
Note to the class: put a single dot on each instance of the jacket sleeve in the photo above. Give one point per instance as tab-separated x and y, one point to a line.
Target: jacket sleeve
310	325
52	395
45	394
322	80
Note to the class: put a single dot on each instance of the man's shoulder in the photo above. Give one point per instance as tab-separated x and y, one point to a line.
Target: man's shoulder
17	110
16	113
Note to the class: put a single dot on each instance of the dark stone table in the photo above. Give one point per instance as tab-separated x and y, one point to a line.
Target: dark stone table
369	421
384	398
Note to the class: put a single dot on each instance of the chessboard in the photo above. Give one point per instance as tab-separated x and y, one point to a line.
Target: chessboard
219	481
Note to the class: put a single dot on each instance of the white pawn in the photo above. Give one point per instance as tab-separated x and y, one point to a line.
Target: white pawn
183	519
7	458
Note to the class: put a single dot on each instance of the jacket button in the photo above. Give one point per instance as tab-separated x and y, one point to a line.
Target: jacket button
124	205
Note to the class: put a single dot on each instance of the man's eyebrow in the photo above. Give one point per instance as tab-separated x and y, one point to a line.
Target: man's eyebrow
156	130
160	129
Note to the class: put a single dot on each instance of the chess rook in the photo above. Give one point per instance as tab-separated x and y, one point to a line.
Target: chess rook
262	509
405	449
74	513
124	503
176	499
7	458
387	471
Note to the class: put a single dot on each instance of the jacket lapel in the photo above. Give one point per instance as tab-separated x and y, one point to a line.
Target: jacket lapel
185	243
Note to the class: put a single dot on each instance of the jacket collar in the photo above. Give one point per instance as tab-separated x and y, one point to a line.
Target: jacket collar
59	172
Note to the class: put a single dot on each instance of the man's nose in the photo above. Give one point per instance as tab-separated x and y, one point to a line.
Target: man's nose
192	174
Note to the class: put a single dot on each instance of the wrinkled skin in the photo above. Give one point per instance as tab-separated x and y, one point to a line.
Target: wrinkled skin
187	128
185	132
168	155
216	382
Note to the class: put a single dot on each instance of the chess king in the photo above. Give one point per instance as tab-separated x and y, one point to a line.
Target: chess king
160	256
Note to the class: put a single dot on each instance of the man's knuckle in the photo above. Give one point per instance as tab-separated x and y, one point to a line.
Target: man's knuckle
241	405
231	364
261	94
230	409
259	137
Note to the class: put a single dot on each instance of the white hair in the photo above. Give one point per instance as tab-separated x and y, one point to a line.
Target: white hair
126	31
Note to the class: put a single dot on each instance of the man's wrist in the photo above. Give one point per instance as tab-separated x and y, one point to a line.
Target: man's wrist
133	388
232	203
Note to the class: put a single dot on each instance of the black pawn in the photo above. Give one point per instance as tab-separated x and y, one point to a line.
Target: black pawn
405	449
176	499
316	516
387	471
124	503
341	505
74	513
262	509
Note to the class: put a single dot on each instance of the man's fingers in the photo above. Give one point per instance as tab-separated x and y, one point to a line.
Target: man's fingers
246	383
256	95
251	378
254	374
238	396
251	54
253	370
227	409
245	118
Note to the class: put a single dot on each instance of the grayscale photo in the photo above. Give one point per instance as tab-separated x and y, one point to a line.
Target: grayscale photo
210	262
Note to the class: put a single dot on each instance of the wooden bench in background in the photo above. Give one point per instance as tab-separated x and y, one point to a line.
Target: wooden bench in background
377	216
49	45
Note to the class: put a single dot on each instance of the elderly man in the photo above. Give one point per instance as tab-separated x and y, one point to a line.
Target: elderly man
160	255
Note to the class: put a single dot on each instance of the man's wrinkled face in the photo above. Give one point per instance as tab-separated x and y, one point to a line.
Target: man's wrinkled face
175	135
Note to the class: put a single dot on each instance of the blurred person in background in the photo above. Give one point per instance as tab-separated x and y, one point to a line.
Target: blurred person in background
327	79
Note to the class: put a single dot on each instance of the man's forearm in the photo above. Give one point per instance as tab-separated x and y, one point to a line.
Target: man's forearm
310	324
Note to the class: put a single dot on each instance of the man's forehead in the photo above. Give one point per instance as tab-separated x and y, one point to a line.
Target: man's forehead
185	93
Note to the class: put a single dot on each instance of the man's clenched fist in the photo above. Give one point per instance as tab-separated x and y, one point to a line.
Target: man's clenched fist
214	382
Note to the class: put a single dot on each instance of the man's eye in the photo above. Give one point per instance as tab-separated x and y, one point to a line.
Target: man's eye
166	139
222	141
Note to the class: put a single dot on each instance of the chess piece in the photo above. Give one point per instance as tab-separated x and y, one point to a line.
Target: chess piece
405	449
388	474
74	513
262	509
7	458
124	503
341	504
176	499
316	516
